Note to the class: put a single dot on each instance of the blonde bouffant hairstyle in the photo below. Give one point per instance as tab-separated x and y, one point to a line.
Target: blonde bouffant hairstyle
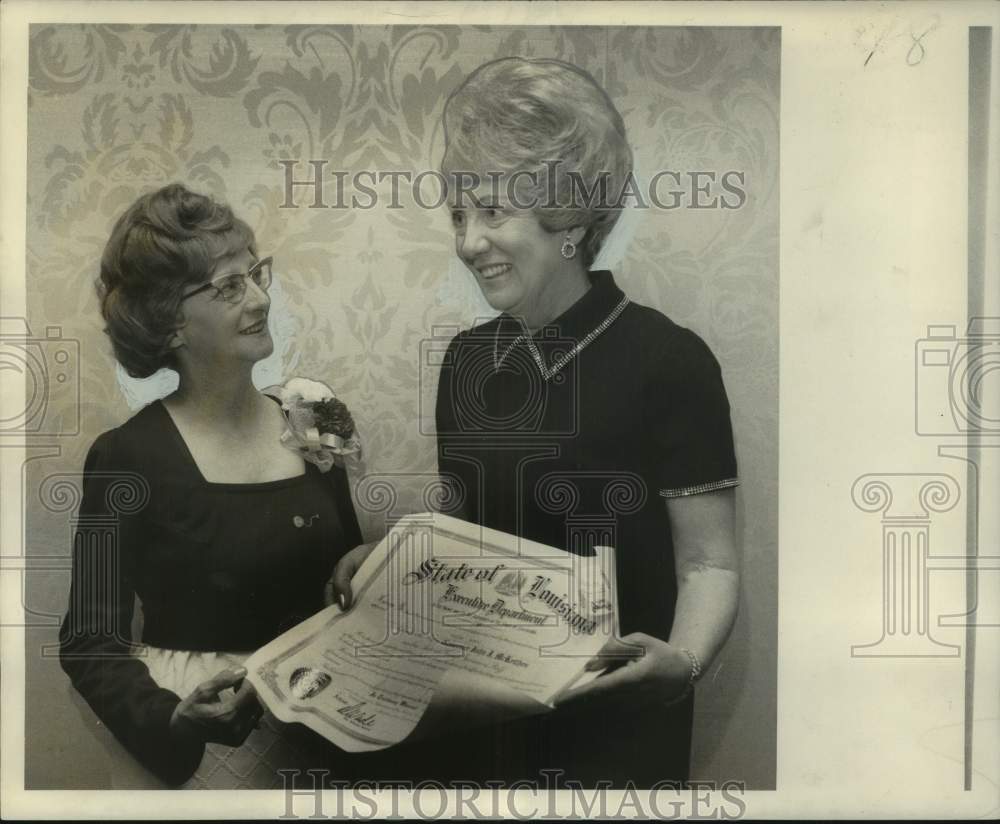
549	118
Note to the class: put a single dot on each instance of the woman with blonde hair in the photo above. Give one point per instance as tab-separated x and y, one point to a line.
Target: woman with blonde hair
578	417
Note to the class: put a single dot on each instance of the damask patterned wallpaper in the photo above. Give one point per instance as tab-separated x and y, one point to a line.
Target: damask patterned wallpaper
115	111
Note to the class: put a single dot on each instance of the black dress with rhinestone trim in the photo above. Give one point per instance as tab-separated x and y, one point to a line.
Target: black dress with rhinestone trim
574	438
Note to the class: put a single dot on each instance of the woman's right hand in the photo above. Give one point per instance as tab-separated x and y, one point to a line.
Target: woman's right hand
344	571
205	717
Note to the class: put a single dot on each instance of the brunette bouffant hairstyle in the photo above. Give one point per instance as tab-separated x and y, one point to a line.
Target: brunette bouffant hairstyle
164	243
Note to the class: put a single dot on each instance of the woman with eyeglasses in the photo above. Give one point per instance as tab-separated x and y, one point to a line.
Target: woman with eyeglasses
226	536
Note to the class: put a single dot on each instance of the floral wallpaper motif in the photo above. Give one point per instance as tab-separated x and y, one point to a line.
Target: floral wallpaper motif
115	111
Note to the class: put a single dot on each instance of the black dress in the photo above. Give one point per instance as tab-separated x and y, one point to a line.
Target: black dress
217	566
574	438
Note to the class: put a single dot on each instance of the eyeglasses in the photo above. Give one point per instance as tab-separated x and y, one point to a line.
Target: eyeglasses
233	286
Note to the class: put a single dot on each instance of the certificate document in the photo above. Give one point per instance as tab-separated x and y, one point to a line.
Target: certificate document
452	624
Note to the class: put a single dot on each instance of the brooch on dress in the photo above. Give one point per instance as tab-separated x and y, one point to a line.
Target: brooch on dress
317	425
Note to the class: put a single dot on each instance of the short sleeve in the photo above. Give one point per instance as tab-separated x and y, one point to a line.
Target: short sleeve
94	636
688	421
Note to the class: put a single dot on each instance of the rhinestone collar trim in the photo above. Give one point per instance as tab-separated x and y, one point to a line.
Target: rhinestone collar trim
563	358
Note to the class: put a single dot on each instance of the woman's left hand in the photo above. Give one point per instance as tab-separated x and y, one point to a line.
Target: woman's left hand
338	588
646	669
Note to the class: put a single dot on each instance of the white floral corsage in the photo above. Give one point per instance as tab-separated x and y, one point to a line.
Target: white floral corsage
319	427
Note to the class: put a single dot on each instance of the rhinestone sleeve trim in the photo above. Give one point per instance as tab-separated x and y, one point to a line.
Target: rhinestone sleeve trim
699	488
